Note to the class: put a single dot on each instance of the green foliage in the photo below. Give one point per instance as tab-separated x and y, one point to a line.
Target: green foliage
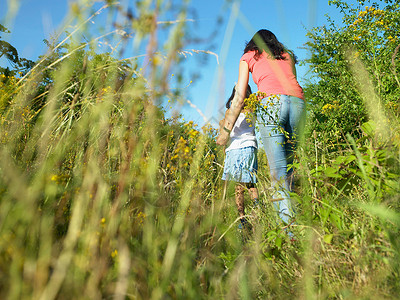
102	196
335	103
19	64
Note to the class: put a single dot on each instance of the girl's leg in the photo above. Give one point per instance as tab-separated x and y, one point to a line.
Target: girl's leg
253	191
239	199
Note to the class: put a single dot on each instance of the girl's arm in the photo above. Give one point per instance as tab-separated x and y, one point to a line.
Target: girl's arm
237	105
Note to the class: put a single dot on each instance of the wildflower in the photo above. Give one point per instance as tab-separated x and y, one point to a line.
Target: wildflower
193	133
182	151
327	108
189	124
355	23
156	61
114	254
141	216
362	14
55	178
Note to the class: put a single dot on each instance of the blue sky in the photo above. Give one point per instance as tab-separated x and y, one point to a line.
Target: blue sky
35	20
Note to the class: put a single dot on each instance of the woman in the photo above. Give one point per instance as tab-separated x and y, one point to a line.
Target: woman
273	71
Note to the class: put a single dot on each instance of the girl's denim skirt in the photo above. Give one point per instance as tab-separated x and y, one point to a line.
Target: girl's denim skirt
241	165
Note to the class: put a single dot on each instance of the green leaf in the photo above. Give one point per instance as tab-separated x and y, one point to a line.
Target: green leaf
369	127
350	158
340	159
332	172
278	242
336	220
328	238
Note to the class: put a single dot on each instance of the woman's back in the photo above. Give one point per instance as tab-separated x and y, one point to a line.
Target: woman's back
273	76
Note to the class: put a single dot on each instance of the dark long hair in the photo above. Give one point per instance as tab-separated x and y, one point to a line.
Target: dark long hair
266	39
229	102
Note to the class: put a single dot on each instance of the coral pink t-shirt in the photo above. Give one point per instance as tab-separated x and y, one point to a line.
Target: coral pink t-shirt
273	76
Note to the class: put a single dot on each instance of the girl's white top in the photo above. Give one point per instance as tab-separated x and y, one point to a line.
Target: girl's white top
242	134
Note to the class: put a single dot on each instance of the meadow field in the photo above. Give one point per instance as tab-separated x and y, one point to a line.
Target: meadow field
102	196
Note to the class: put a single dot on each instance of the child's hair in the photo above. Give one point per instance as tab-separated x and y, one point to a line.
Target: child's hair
248	93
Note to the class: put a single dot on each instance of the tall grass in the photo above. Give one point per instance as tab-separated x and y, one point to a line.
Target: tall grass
104	197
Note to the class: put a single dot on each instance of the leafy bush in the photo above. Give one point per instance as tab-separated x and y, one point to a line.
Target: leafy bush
335	104
103	196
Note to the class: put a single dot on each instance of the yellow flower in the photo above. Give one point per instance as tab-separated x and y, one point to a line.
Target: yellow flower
114	253
141	217
56	178
193	132
327	108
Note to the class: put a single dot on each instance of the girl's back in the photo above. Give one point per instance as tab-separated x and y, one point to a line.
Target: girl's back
242	134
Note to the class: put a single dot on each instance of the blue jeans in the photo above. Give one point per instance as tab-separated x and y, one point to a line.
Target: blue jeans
279	125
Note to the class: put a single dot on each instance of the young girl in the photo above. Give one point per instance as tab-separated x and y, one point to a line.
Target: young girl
241	159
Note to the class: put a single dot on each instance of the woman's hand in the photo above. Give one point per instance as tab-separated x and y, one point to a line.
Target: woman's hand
223	135
233	112
222	138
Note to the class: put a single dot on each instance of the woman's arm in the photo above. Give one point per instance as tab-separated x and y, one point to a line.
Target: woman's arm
237	103
222	122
